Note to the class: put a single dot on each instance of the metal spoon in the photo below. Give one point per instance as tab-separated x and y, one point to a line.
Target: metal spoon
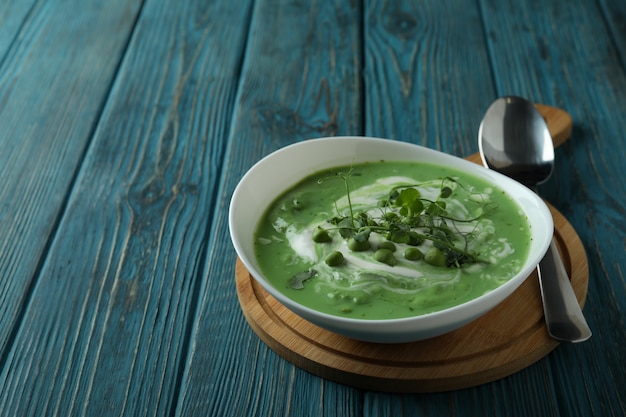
514	139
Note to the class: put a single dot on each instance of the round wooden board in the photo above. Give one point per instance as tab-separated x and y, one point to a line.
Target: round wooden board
504	341
500	343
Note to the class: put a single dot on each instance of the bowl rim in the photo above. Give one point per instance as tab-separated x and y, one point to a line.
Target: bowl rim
362	324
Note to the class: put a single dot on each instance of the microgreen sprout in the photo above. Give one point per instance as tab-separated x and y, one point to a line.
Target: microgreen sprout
406	217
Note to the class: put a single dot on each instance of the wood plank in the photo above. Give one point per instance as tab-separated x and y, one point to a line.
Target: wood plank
119	315
614	12
107	327
445	60
13	13
54	79
315	91
430	79
580	68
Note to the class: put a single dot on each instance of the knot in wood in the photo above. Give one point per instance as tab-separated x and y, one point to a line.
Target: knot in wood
401	24
151	192
274	119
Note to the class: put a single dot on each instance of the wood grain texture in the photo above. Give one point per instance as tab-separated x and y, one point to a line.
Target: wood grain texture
428	79
107	326
116	290
506	340
614	12
579	67
49	105
453	84
301	79
12	16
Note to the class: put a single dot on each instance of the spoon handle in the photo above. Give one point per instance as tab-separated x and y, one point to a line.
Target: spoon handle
564	318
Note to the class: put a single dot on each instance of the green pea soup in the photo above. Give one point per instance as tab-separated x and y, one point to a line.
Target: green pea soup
427	238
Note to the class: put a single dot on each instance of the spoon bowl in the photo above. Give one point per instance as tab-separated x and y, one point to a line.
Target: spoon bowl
514	140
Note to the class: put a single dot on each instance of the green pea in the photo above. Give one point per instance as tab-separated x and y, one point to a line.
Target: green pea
385	256
334	258
320	235
415	239
435	257
413	254
358	245
387	245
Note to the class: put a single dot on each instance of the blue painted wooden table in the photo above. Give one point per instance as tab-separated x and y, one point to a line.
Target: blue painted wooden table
126	124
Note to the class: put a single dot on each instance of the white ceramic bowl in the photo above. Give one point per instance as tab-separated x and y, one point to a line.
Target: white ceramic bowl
277	172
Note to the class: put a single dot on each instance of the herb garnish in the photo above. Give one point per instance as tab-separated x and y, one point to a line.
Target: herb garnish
404	216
